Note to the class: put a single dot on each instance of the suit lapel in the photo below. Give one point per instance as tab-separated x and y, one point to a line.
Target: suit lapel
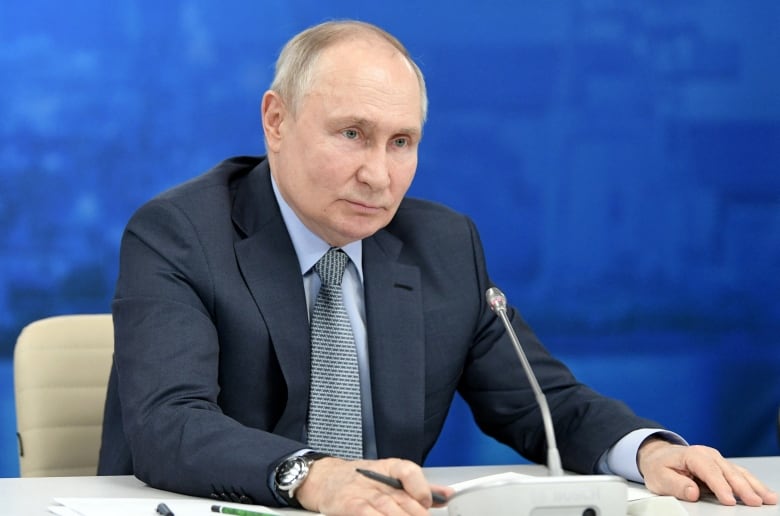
270	268
394	320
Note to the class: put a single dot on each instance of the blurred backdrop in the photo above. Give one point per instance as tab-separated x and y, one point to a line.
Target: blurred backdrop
621	159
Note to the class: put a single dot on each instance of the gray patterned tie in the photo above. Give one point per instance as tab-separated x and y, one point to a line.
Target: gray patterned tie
335	422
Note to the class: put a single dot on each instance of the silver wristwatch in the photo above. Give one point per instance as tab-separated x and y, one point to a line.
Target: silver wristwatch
291	473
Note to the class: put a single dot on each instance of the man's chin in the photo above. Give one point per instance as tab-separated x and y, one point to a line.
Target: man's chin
356	232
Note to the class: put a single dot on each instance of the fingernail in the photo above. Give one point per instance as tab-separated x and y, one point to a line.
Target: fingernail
690	493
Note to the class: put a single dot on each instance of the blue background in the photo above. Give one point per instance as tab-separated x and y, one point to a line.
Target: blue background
620	158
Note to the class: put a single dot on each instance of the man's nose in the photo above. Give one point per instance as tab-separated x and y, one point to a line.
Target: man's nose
374	170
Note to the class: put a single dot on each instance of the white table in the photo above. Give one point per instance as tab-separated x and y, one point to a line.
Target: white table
31	496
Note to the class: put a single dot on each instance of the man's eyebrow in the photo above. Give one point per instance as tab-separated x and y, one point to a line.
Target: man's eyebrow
411	131
364	122
354	120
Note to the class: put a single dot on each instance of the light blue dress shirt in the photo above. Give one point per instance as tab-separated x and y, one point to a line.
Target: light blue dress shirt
619	460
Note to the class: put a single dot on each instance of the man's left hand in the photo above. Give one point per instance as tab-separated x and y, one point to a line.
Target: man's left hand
682	471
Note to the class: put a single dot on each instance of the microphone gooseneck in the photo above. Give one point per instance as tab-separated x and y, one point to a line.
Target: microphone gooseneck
497	302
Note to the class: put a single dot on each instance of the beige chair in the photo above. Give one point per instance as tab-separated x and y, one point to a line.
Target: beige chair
61	367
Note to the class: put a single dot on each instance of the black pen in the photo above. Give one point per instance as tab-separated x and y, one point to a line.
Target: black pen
395	483
163	510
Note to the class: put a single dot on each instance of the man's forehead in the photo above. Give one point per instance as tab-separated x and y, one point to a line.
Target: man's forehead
369	104
362	55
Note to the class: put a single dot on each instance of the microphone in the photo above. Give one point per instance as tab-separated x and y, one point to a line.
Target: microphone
513	494
497	302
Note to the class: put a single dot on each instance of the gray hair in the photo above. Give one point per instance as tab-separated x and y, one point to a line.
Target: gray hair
297	60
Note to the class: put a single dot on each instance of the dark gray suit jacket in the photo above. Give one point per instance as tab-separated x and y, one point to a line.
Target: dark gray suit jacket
209	388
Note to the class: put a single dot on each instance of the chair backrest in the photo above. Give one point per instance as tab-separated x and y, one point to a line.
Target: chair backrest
61	368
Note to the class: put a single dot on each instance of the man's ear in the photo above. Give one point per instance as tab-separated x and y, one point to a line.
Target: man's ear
273	112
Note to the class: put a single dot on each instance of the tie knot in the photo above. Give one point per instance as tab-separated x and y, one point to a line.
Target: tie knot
331	266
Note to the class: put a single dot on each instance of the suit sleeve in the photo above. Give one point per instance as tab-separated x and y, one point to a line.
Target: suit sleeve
495	386
167	362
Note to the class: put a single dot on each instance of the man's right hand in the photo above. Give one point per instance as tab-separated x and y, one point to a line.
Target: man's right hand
334	487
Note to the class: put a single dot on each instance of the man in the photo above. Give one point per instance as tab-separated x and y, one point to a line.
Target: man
217	380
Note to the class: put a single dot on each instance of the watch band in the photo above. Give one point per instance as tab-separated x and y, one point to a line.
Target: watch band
291	473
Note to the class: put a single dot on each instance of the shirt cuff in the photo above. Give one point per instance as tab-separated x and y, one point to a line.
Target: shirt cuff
621	459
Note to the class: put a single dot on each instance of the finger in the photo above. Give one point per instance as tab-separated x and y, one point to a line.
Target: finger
726	480
768	497
445	492
717	474
738	485
413	481
749	489
668	481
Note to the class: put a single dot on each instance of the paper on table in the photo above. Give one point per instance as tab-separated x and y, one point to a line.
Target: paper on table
634	493
142	507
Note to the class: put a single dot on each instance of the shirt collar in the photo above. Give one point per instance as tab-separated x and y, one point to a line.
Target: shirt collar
309	247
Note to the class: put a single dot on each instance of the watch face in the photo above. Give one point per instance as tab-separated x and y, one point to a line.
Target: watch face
290	471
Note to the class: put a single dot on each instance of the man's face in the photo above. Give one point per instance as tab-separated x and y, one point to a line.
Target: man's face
346	160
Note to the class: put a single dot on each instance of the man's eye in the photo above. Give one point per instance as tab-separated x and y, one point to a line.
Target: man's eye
401	142
350	133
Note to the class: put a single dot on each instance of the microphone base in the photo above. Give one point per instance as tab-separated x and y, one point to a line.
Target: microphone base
501	495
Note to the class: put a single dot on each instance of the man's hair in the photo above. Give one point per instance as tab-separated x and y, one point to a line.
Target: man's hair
298	59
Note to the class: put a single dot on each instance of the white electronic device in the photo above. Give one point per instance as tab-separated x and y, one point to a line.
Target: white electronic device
591	495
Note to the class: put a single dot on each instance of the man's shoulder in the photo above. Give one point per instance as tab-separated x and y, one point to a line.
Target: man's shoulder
209	198
225	176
